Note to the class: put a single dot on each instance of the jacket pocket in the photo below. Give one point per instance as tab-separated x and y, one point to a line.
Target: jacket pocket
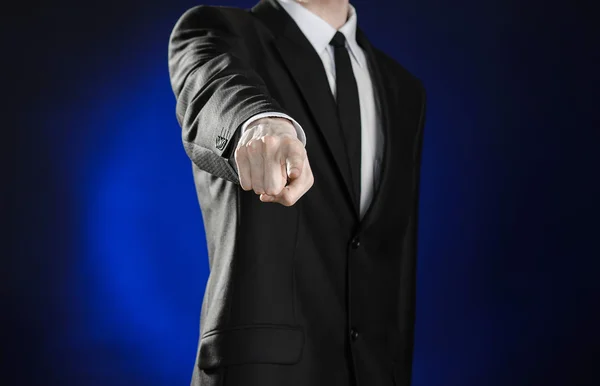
277	344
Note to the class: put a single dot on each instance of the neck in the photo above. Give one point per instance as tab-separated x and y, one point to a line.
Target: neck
334	12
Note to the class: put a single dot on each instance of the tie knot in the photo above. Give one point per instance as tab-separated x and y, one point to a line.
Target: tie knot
339	40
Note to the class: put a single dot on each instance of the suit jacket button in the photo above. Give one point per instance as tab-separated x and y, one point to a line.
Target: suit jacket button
355	243
353	334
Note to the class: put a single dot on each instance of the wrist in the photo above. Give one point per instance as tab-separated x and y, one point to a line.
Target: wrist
274	126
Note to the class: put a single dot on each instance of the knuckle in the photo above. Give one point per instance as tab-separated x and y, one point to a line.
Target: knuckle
254	146
273	190
270	142
289	140
258	188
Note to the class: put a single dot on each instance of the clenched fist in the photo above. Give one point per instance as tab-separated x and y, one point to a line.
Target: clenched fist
272	161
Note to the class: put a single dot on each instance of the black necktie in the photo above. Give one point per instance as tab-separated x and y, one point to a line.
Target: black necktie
348	107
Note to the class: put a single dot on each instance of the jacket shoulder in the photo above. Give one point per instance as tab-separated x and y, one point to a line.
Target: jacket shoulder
398	71
409	83
220	17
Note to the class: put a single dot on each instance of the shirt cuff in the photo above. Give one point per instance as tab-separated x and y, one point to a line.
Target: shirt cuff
299	131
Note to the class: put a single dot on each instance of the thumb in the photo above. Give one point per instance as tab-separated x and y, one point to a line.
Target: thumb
294	165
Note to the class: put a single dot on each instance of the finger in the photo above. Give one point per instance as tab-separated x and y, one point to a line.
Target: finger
274	180
243	165
292	192
297	187
255	155
288	196
295	190
267	198
295	154
283	178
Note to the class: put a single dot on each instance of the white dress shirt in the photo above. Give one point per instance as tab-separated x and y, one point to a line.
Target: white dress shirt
319	33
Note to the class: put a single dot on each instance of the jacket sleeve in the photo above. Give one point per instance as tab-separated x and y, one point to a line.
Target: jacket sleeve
215	86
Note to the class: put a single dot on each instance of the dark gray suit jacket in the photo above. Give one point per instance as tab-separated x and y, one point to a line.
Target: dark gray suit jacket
308	295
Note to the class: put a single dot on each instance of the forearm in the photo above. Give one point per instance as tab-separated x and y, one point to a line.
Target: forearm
217	91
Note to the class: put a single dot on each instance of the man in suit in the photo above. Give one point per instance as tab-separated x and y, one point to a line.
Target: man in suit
305	144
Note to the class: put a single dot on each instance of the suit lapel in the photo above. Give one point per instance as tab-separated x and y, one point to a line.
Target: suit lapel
384	97
396	101
306	68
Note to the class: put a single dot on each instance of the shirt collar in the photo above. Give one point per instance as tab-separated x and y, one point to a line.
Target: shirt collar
319	33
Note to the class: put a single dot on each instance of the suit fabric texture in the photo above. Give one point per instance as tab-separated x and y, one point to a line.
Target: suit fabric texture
308	294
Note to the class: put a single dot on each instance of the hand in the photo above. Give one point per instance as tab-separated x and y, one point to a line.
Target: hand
272	162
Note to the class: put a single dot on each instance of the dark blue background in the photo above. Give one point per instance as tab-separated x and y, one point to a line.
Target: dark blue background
106	251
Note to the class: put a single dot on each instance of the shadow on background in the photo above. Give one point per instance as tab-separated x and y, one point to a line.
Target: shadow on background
107	258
